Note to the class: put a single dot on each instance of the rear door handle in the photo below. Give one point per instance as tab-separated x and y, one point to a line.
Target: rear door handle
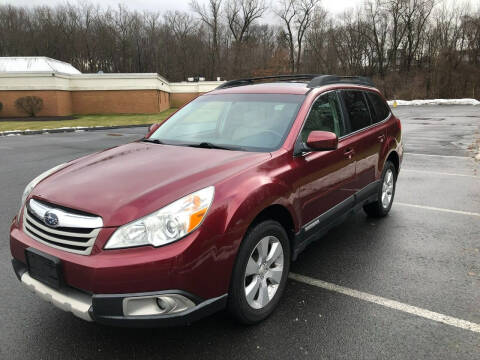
349	153
381	138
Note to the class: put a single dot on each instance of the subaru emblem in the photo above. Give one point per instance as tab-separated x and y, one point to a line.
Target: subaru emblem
50	219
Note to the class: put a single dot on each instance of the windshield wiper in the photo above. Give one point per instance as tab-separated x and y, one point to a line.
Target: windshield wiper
154	141
209	145
204	145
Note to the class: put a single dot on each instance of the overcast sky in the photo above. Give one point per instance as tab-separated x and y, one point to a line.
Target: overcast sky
335	6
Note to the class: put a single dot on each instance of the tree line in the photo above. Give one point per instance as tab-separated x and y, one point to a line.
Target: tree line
411	48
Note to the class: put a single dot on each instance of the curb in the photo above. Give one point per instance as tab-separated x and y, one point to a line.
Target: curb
60	130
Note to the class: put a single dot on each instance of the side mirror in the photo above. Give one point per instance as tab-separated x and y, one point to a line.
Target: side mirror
152	128
322	140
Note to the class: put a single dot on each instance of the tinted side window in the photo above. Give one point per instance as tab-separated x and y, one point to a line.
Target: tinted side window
380	108
357	109
324	116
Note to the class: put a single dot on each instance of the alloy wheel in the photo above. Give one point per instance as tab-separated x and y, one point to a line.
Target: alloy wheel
387	189
263	272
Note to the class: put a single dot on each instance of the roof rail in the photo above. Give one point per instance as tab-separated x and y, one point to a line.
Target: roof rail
249	81
335	79
315	80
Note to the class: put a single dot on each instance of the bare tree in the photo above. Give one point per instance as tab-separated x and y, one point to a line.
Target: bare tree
183	26
350	46
319	44
375	31
297	17
241	14
210	15
306	11
288	13
396	31
415	19
412	48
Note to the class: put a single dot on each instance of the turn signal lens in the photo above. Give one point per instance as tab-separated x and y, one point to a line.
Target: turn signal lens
196	219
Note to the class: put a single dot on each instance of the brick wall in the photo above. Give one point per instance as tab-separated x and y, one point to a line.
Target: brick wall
55	102
119	101
63	103
179	99
65	95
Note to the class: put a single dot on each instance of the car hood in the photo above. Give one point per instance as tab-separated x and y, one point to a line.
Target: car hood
130	181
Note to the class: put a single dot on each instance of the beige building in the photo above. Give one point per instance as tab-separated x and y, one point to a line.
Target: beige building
66	91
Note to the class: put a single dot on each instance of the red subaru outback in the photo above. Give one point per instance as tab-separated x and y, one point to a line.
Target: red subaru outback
209	209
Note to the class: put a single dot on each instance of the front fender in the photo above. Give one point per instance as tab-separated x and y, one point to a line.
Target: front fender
244	204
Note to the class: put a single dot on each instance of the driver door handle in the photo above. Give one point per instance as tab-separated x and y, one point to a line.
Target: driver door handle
349	152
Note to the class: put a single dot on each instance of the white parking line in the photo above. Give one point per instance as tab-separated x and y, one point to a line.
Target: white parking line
392	304
438	209
446	156
440	173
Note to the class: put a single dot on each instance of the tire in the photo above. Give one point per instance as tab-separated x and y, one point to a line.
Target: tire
251	259
386	191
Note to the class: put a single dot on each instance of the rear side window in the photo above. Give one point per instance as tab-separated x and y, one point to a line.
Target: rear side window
380	108
324	116
357	109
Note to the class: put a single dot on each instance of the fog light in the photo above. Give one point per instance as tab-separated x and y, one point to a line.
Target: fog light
170	304
164	305
156	305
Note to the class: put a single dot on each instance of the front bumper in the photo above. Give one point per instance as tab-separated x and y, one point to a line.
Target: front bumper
108	308
189	264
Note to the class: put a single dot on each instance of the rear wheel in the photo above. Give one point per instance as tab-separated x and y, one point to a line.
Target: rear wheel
386	193
260	273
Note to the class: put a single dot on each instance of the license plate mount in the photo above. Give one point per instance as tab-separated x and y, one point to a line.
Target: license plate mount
44	267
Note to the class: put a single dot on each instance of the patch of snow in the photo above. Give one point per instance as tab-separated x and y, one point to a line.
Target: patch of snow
74	128
67	128
435	102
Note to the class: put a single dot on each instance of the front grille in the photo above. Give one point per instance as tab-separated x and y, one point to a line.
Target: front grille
72	234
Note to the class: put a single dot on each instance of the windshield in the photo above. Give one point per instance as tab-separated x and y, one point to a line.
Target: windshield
251	122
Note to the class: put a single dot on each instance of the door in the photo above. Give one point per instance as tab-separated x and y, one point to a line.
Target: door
366	137
325	178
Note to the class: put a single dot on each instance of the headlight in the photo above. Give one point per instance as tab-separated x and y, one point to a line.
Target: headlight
166	225
31	185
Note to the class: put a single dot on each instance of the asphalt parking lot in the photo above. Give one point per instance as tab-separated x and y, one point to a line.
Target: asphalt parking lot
407	286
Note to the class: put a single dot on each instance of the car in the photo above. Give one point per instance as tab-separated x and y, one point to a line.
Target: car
209	209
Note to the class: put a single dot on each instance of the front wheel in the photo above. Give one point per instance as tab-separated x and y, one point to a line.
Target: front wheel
386	193
260	273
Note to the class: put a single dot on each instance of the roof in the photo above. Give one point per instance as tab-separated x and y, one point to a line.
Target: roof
37	64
